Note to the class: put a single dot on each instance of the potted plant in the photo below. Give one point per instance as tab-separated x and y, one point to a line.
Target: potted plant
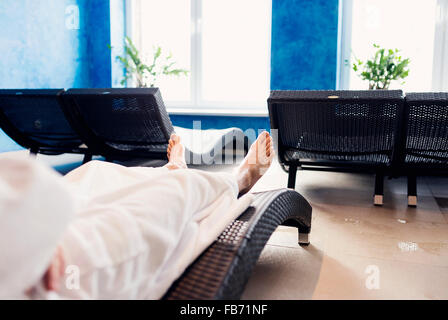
146	75
385	66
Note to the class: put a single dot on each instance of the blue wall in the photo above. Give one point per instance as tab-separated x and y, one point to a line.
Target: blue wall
304	44
34	49
40	50
95	34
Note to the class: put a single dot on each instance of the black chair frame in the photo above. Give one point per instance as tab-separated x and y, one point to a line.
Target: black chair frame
322	160
26	140
100	145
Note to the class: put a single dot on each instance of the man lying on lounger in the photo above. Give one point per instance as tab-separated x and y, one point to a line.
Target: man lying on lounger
105	231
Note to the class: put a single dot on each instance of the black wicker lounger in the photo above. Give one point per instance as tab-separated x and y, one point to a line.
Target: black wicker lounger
34	119
426	145
130	123
337	130
223	270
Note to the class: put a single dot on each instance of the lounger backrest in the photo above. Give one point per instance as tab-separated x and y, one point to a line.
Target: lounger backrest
113	121
427	128
336	125
34	119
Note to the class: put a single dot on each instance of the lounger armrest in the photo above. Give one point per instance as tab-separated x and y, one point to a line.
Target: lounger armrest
223	270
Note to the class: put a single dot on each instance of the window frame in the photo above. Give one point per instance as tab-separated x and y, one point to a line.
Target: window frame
439	80
197	105
440	65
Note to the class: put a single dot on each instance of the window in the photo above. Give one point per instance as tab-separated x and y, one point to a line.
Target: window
224	44
167	24
409	25
440	72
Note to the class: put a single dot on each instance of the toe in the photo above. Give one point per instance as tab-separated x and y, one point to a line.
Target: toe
262	136
175	138
268	143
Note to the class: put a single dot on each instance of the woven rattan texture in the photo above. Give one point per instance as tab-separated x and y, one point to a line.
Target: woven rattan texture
427	128
362	126
223	270
126	120
336	94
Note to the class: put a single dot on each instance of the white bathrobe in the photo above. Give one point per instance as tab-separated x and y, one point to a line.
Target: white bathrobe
134	232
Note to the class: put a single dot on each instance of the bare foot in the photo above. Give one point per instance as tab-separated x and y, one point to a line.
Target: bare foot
176	154
256	163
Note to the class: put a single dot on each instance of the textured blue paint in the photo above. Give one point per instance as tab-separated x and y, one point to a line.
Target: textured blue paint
39	51
96	33
304	44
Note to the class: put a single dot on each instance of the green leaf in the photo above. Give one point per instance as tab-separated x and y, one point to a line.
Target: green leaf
143	74
385	65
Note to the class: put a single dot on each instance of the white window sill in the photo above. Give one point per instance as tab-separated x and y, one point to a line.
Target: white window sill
234	112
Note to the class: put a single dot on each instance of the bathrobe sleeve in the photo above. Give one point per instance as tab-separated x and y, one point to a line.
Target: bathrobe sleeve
35	209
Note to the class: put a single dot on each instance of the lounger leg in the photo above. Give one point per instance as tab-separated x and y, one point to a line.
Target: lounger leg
304	239
87	158
379	189
303	228
234	152
412	190
292	176
304	235
246	145
34	152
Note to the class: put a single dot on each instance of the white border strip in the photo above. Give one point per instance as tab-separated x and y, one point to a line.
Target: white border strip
344	44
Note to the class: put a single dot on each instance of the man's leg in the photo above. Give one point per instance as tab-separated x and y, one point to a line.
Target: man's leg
254	166
256	163
152	217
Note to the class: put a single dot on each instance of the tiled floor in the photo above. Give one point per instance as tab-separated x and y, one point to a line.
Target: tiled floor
358	251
